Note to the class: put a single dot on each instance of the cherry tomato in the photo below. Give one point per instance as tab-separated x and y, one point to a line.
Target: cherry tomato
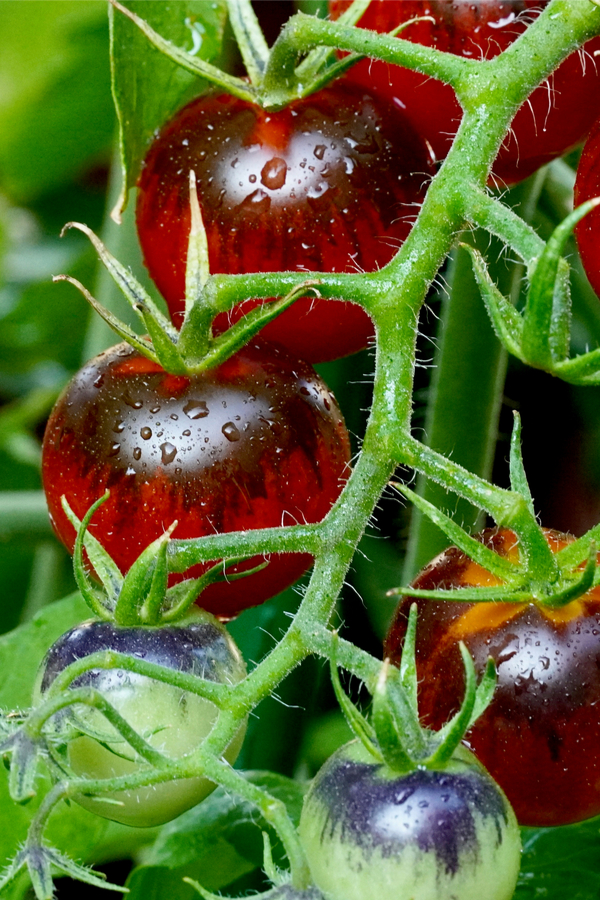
257	442
172	720
556	117
369	832
587	186
539	737
331	183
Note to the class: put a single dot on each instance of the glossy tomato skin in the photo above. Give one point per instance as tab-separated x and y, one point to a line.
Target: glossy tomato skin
557	116
331	183
425	835
257	442
587	186
173	721
539	737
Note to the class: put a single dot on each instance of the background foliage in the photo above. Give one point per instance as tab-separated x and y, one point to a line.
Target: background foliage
57	138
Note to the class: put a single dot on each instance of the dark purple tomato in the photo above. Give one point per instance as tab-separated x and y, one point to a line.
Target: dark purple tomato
257	442
331	183
540	735
370	833
557	116
587	186
172	720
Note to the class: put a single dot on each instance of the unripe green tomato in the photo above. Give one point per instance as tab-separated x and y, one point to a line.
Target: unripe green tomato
373	834
172	720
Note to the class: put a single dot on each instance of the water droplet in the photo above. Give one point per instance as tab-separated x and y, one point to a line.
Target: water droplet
118	427
146	433
155	409
319	151
187	432
174	416
195	409
252	179
134	404
137	452
231	432
273	173
114	449
168	453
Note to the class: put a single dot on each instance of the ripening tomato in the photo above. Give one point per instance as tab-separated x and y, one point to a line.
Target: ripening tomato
428	834
587	186
331	183
172	720
557	116
540	736
257	442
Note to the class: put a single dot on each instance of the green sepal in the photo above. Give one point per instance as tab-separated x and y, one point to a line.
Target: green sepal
164	349
581	585
408	665
129	286
119	327
389	725
145	585
23	766
235	86
547	314
484	691
249	37
275	875
101	602
40	872
357	722
581	370
506	321
467	595
449	737
180	597
518	478
474	549
239	334
69	867
197	268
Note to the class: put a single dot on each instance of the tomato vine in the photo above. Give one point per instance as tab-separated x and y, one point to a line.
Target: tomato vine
457	201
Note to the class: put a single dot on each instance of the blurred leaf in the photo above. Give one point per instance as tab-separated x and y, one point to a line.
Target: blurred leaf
56	114
147	86
215	843
560	863
42	325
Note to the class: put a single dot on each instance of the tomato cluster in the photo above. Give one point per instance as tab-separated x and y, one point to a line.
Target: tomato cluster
539	737
556	117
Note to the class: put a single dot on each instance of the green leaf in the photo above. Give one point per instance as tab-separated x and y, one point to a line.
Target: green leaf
217	842
560	863
148	87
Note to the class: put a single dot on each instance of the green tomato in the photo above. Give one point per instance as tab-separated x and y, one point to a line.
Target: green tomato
373	834
172	720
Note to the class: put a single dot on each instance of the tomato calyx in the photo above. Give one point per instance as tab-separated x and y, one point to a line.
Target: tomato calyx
395	736
194	349
540	335
142	596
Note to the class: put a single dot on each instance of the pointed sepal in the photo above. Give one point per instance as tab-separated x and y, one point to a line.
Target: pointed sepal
518	478
547	314
506	321
101	602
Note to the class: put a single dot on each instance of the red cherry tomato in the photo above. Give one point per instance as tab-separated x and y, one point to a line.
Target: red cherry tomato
540	736
556	117
331	183
257	442
587	186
